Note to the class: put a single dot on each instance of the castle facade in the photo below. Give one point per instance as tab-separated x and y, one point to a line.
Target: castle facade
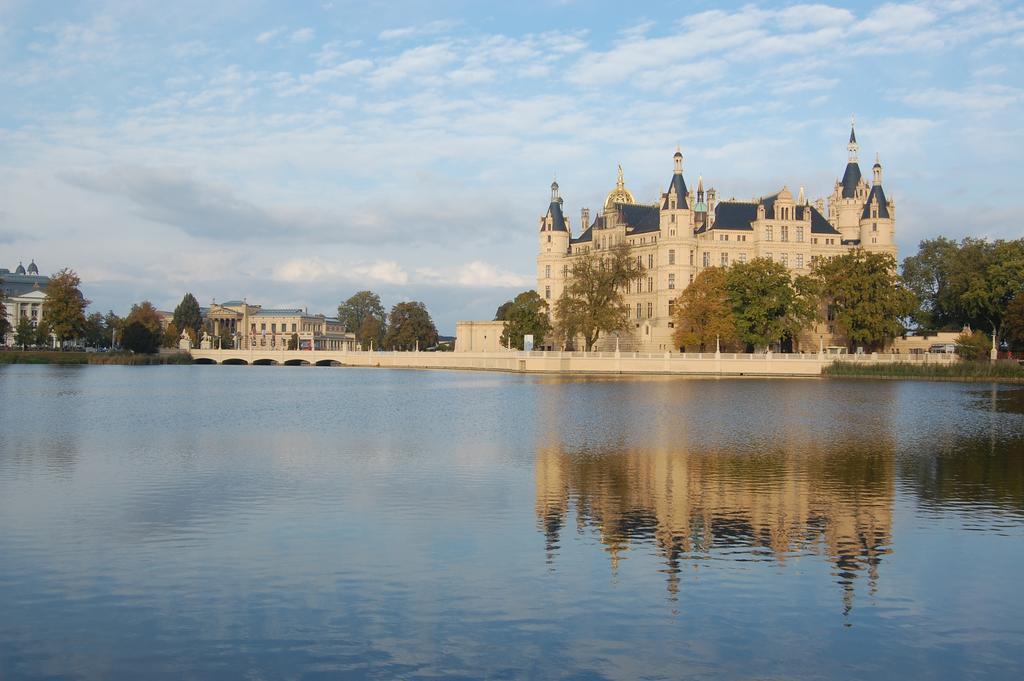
686	231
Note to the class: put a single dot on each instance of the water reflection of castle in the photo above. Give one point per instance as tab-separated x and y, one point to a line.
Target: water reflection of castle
835	503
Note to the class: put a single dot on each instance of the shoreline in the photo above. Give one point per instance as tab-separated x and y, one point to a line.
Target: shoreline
76	357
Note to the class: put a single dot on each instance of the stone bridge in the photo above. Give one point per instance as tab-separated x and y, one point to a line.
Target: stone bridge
708	363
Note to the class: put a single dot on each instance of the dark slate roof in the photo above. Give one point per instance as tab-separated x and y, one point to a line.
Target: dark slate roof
733	215
640	219
739	216
819	223
853	136
851	178
678	185
585	237
883	206
851	242
557	219
20	284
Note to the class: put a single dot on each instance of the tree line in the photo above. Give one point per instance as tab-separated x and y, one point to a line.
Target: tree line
407	327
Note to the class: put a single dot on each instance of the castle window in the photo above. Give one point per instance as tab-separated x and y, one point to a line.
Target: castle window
638	310
547	271
874	226
671	256
650	310
639	261
629	286
691	277
650	260
799	235
671	281
784	233
800	261
743	257
549	238
672	219
707	259
725	260
671	307
769	234
565	270
547	292
650	284
784	259
814	239
691	258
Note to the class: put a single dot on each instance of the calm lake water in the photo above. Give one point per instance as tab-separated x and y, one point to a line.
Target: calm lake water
312	523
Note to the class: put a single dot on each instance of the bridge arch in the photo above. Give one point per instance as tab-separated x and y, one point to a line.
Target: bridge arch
204	360
296	363
235	360
328	363
264	362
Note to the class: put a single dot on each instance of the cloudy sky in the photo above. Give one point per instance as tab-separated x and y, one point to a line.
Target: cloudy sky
293	153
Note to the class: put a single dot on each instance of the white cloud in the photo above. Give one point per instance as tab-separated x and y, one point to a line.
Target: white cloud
267	36
314	270
475	274
429	28
302	35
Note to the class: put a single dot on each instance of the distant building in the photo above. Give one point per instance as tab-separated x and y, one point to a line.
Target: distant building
479	337
255	327
24	296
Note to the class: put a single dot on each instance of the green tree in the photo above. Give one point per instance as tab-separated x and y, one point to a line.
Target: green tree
94	333
409	324
5	324
769	306
364	315
142	331
970	283
188	316
43	334
112	327
1013	322
973	346
592	302
927	275
24	333
65	305
501	314
139	338
528	314
703	314
293	342
869	299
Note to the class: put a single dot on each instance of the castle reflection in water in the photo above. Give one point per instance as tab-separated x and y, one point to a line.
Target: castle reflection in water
834	501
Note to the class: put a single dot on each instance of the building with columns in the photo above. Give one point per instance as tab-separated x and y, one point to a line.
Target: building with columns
685	231
256	327
24	296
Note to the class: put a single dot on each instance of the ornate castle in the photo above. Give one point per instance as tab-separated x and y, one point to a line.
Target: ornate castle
686	231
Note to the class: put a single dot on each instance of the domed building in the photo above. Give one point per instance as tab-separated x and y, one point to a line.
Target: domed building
24	295
684	232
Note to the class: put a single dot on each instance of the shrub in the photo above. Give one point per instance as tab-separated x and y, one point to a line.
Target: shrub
972	346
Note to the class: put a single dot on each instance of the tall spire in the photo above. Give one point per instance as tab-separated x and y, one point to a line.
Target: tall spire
554	191
877	169
700	188
852	147
678	158
620	182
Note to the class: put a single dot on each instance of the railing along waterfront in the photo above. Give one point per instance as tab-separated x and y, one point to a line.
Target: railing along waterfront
554	361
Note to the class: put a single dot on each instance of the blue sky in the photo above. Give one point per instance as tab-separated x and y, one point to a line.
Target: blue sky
293	153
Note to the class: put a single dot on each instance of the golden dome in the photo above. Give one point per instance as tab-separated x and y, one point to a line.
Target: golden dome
618	195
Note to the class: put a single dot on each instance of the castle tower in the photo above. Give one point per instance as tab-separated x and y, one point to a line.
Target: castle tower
553	249
878	216
676	217
849	195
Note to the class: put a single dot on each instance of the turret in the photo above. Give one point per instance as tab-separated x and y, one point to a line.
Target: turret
553	247
849	195
877	215
676	217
